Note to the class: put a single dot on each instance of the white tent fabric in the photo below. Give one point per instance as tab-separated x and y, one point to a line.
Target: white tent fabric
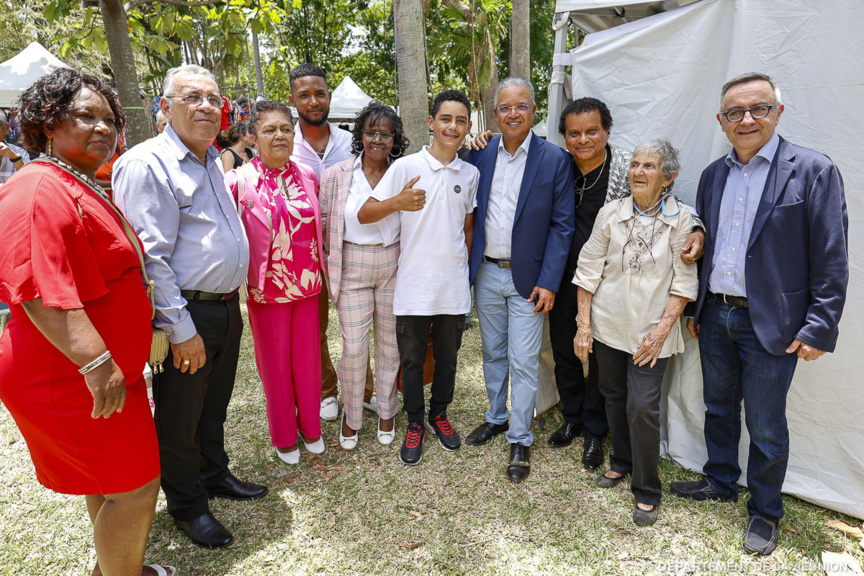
661	77
20	71
348	99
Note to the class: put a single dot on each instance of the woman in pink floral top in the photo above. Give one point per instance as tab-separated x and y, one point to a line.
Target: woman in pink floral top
277	201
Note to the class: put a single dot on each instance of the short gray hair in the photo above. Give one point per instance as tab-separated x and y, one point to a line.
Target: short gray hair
3	119
751	77
186	70
514	81
669	161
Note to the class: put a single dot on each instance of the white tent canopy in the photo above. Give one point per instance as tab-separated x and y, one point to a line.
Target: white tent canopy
348	99
19	72
661	75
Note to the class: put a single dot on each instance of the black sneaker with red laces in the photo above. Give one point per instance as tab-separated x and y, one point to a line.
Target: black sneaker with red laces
412	448
447	436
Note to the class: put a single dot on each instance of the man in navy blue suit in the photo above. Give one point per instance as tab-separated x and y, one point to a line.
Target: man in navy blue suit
772	289
522	233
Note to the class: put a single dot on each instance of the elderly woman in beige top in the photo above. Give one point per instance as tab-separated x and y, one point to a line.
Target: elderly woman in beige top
633	286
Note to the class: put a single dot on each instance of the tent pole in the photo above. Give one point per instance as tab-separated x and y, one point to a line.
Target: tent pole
556	85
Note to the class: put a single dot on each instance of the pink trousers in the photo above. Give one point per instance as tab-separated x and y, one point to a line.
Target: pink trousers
288	355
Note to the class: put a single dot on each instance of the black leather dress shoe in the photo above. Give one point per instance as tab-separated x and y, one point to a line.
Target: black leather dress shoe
592	453
520	463
564	435
485	432
206	531
235	489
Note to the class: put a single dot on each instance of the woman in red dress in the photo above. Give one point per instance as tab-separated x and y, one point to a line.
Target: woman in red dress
72	355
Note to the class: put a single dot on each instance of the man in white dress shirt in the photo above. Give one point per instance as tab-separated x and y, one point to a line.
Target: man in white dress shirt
319	145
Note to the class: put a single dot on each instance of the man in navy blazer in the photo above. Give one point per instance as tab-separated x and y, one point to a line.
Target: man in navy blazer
522	233
772	289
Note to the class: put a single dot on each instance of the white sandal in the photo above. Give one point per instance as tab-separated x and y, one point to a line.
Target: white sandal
348	442
386	438
316	447
163	570
288	457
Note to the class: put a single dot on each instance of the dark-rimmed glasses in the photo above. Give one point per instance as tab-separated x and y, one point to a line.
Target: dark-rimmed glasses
756	112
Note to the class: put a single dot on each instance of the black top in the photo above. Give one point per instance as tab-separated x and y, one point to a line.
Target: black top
592	201
238	160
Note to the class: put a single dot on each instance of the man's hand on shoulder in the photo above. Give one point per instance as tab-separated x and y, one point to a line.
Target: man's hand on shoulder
804	351
480	142
543	299
190	355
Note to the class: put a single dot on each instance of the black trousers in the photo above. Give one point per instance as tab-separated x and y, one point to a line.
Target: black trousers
581	400
191	410
412	337
633	404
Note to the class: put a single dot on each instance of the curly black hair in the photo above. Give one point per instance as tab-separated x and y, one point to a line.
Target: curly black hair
582	105
262	107
372	113
44	103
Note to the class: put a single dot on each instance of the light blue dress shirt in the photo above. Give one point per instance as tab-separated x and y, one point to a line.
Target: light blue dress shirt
741	197
503	197
187	221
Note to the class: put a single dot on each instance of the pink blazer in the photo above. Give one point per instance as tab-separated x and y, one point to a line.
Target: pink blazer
243	184
335	184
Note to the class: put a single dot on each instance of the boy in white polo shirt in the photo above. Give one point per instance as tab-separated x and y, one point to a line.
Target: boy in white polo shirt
435	194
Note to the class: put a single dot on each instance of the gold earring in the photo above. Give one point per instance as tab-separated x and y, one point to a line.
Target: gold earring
49	149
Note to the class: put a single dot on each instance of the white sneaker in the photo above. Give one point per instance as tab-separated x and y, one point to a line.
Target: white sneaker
372	405
329	409
386	438
289	457
316	447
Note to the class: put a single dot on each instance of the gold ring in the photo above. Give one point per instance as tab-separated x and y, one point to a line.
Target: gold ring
186	362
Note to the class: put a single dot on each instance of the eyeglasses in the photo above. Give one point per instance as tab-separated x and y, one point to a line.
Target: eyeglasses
756	112
195	100
520	108
371	136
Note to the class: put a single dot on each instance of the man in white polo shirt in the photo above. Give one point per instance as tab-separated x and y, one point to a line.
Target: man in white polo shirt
432	292
319	145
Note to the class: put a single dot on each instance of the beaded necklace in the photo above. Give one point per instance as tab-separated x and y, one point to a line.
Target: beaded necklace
93	186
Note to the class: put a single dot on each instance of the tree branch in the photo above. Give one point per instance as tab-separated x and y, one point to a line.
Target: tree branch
133	3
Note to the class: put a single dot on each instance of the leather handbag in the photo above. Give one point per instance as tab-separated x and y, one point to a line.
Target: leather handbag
160	345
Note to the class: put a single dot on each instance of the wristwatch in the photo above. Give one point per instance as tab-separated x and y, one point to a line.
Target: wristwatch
15	159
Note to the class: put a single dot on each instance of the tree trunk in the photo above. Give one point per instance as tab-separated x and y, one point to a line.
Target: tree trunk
489	93
123	66
410	36
520	39
259	79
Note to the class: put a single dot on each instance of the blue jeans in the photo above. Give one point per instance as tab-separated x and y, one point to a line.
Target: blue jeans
736	367
511	334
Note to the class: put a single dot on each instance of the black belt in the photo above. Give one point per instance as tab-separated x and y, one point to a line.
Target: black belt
738	301
498	261
207	296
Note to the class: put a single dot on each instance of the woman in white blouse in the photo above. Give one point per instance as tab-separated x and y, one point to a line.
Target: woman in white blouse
361	269
633	287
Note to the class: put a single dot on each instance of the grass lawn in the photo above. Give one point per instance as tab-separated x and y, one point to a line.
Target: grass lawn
363	512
